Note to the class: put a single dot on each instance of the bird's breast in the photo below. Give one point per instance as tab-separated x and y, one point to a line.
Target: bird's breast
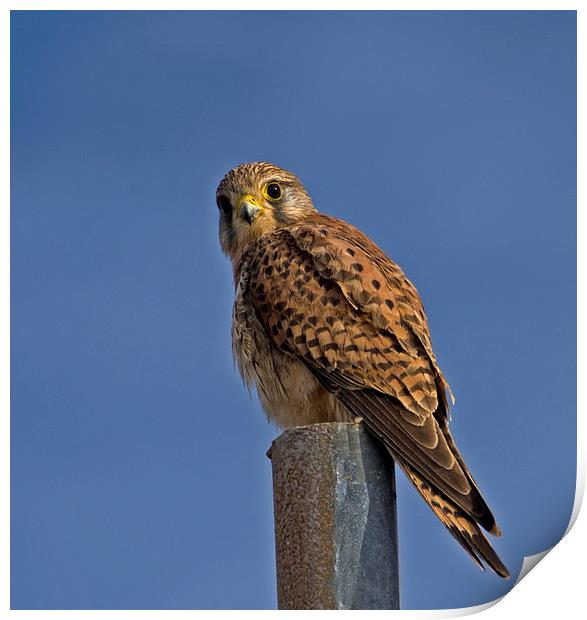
288	392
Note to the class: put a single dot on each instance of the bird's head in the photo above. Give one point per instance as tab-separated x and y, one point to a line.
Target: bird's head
255	199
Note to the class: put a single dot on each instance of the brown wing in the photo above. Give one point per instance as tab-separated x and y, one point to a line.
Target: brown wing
327	295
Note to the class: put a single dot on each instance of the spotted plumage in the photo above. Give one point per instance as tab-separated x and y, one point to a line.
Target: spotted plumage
328	328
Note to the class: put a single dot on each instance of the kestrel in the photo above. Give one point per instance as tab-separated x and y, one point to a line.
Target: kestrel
328	329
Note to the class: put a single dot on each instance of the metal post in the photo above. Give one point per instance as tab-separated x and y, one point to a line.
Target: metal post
335	519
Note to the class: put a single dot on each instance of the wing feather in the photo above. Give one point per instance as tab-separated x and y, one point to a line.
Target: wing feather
328	296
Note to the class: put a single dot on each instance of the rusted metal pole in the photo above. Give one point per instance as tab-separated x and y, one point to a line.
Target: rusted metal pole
335	519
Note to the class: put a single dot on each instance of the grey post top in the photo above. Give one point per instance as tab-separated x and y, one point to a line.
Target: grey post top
335	519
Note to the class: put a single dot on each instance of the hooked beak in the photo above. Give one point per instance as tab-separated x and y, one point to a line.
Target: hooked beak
249	208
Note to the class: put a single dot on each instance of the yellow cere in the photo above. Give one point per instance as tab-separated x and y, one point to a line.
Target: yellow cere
250	199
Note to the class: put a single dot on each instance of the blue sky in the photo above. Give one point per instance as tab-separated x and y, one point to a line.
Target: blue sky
139	475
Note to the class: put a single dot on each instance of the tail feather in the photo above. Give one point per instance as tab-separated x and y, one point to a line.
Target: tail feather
464	529
487	521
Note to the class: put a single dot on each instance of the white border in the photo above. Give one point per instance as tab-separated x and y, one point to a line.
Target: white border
278	5
555	587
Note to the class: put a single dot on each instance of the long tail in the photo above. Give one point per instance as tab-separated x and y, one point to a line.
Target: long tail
459	524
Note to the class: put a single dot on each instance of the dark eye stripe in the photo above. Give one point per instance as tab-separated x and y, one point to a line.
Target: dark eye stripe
224	204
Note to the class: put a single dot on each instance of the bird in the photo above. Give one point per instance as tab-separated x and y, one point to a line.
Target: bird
327	328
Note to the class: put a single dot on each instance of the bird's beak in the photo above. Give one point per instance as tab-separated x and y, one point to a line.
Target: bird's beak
249	208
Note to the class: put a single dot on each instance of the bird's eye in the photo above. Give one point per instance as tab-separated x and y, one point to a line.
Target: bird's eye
272	191
224	204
